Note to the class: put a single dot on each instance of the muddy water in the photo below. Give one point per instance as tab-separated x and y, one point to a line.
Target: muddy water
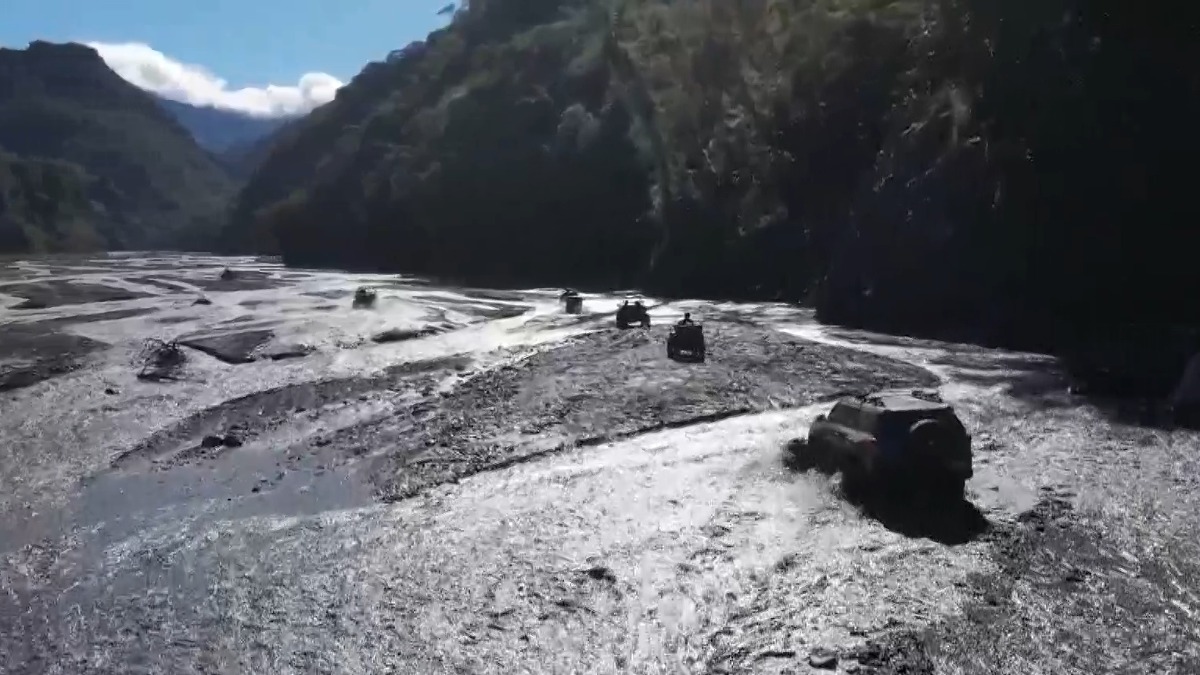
687	550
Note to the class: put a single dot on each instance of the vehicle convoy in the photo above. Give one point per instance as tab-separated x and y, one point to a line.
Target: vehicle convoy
890	444
629	315
686	341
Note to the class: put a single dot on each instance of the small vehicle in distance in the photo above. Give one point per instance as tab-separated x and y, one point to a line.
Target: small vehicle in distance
572	302
628	315
364	297
686	342
887	445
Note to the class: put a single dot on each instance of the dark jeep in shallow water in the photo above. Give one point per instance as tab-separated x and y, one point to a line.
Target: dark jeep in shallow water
903	445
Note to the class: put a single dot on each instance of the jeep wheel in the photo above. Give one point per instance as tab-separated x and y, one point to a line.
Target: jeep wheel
924	437
797	455
801	455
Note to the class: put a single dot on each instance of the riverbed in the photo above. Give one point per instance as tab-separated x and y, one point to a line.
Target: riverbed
470	480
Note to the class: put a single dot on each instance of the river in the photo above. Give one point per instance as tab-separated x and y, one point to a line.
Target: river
127	547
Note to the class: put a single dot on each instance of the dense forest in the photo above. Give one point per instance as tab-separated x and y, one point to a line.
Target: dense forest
92	162
999	171
44	206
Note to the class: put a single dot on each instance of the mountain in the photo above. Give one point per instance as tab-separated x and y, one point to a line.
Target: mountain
45	205
220	131
961	168
242	158
68	120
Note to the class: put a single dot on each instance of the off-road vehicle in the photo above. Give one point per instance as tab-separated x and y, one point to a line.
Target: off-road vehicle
572	302
628	315
890	444
686	342
364	297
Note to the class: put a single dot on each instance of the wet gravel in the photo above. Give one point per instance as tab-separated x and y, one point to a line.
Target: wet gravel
513	489
29	356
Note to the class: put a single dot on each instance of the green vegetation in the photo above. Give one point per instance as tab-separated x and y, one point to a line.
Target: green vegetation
610	143
969	166
117	170
44	207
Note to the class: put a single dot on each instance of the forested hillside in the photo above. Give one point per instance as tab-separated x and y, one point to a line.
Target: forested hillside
218	130
44	206
998	171
117	170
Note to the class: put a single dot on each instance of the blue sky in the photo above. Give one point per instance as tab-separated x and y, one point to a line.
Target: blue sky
246	43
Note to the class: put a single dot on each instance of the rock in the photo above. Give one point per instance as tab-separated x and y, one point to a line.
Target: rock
823	659
212	442
232	348
1076	575
202	301
399	335
161	360
284	352
110	391
601	573
232	441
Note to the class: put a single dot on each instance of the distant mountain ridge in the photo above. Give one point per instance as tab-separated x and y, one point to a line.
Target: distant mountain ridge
69	125
218	130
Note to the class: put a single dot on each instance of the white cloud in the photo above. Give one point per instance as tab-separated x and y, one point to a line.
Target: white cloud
156	72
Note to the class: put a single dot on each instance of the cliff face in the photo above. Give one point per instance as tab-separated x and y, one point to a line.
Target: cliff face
996	172
145	181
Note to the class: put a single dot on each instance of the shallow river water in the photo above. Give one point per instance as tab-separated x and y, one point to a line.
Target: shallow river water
685	550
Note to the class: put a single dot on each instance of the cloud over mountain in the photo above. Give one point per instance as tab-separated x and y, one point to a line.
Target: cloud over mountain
154	71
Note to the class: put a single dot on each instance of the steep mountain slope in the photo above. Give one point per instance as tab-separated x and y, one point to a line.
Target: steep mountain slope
45	206
241	159
955	167
151	185
219	131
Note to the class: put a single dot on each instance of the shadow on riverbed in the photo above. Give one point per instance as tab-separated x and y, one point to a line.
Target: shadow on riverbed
953	525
